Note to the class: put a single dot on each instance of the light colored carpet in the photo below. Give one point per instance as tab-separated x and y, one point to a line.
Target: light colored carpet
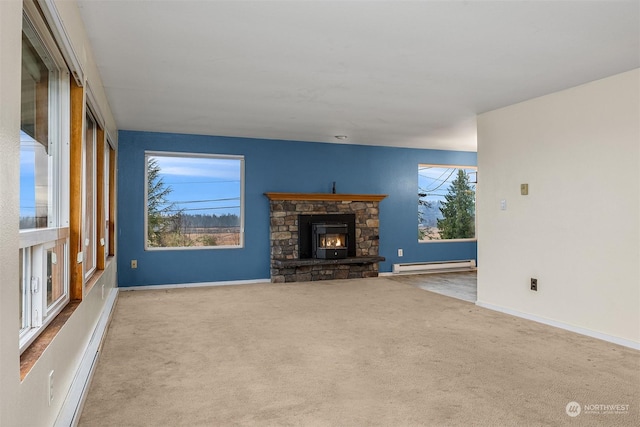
366	352
461	285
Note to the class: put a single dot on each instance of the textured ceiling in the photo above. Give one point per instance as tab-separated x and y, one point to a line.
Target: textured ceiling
406	74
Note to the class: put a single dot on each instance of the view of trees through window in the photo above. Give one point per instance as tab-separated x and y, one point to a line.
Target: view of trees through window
193	200
446	202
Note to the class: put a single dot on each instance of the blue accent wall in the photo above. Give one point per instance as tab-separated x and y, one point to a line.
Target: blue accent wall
277	166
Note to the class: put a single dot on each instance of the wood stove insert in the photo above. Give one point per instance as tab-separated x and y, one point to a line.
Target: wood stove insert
329	241
312	227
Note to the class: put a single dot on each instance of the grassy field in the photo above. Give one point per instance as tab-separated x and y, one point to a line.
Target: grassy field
429	233
201	237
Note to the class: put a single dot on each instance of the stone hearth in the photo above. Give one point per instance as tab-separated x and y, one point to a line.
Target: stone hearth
286	265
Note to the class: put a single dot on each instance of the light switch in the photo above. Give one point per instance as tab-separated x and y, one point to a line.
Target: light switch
524	189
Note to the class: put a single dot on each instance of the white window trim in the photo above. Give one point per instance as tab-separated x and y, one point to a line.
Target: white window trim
148	154
35	242
39	314
94	201
471	239
51	14
106	202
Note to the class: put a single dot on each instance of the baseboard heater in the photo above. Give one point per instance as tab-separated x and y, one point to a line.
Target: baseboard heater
435	267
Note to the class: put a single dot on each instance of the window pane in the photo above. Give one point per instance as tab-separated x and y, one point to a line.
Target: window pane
89	225
446	202
194	201
38	85
34	171
55	272
107	200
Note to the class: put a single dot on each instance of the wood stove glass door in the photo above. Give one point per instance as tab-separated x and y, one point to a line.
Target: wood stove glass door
330	241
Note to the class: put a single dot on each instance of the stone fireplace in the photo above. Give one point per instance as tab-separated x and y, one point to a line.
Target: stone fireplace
348	223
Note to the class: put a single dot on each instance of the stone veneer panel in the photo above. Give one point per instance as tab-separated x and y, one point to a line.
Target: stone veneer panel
284	239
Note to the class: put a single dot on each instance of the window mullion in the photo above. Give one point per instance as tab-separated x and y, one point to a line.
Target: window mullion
37	282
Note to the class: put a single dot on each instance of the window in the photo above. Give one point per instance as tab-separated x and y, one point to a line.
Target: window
107	201
44	170
110	207
37	131
194	201
89	198
446	202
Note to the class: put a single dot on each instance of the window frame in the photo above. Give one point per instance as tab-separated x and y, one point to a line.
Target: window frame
454	166
90	231
110	198
106	241
34	243
240	158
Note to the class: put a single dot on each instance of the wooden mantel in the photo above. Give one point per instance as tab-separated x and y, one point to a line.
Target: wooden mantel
327	197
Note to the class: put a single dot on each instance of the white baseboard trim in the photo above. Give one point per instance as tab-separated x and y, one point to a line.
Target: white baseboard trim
577	329
193	285
69	414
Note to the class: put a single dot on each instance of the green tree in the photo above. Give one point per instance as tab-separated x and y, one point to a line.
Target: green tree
422	194
458	210
160	219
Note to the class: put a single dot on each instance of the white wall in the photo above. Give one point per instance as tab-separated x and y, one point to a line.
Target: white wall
10	39
26	403
578	230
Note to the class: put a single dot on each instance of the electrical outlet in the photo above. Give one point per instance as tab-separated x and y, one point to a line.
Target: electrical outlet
534	284
50	387
134	263
400	252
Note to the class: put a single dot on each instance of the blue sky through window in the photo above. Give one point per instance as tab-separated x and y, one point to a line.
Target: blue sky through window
436	180
202	185
28	145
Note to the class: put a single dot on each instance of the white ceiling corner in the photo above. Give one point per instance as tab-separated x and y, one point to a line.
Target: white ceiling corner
392	73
